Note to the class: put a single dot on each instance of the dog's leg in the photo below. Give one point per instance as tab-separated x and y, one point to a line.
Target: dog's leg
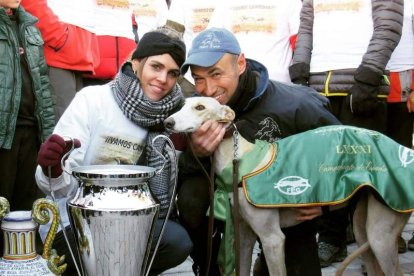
360	228
384	226
265	223
247	241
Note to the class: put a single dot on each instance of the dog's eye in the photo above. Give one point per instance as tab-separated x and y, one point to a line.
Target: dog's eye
200	107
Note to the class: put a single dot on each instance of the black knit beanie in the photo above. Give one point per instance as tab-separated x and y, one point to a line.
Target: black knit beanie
156	43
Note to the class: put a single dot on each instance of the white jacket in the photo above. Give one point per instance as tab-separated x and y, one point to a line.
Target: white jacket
106	136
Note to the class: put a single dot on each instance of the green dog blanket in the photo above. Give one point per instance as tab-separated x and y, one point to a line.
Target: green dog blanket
324	166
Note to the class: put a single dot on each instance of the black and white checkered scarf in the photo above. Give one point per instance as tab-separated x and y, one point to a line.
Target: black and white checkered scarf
148	114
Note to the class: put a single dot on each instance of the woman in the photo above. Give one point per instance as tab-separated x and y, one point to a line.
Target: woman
113	123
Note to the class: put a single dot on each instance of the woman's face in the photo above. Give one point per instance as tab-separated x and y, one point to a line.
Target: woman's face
157	75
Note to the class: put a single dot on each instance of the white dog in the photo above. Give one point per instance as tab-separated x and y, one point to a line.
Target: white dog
376	226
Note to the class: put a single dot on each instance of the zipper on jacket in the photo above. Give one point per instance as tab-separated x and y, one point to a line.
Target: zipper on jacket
14	47
36	101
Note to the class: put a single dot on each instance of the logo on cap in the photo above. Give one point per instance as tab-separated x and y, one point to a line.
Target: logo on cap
210	41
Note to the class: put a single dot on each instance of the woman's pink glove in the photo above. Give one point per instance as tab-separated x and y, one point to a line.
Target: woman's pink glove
51	153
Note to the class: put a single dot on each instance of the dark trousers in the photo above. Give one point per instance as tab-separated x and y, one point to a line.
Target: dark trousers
332	227
193	201
174	248
17	171
63	85
301	250
400	124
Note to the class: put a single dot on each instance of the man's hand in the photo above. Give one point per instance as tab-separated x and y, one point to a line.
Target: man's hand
308	213
206	139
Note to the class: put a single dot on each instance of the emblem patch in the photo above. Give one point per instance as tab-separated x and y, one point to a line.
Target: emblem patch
406	156
292	185
269	130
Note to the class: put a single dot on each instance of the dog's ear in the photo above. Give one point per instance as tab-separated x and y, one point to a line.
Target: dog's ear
227	114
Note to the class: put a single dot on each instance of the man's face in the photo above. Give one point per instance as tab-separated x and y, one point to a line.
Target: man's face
220	80
10	4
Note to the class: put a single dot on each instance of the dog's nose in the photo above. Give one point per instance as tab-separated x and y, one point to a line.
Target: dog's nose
169	123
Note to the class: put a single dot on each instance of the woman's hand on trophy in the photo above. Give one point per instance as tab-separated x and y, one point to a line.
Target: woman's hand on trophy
51	153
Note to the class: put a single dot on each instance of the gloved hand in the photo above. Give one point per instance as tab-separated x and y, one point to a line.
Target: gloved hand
363	98
51	153
299	73
363	94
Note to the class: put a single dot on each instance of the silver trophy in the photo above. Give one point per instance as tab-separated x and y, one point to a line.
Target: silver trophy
112	216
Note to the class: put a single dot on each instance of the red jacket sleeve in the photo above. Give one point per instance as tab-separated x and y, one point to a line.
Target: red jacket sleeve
66	46
54	32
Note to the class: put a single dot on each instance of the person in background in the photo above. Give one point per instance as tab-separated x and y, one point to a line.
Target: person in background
70	51
113	23
26	109
149	14
190	17
130	108
401	97
113	52
265	29
220	70
341	51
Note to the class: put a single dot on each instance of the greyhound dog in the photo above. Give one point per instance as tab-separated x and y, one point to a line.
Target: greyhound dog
376	226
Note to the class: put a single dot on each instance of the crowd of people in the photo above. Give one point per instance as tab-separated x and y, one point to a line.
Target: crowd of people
92	69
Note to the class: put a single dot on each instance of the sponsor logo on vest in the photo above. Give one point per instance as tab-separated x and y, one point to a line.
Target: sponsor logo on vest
406	155
292	185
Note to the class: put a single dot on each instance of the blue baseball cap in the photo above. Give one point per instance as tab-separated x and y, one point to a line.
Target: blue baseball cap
209	46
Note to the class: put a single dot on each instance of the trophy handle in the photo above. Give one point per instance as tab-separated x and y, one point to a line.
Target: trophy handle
158	152
40	214
65	156
4	207
174	166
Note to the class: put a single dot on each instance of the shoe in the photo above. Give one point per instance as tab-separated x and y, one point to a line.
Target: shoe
402	246
329	253
364	269
411	243
260	266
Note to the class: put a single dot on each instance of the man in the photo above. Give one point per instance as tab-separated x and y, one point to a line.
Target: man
341	51
27	116
220	70
400	100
